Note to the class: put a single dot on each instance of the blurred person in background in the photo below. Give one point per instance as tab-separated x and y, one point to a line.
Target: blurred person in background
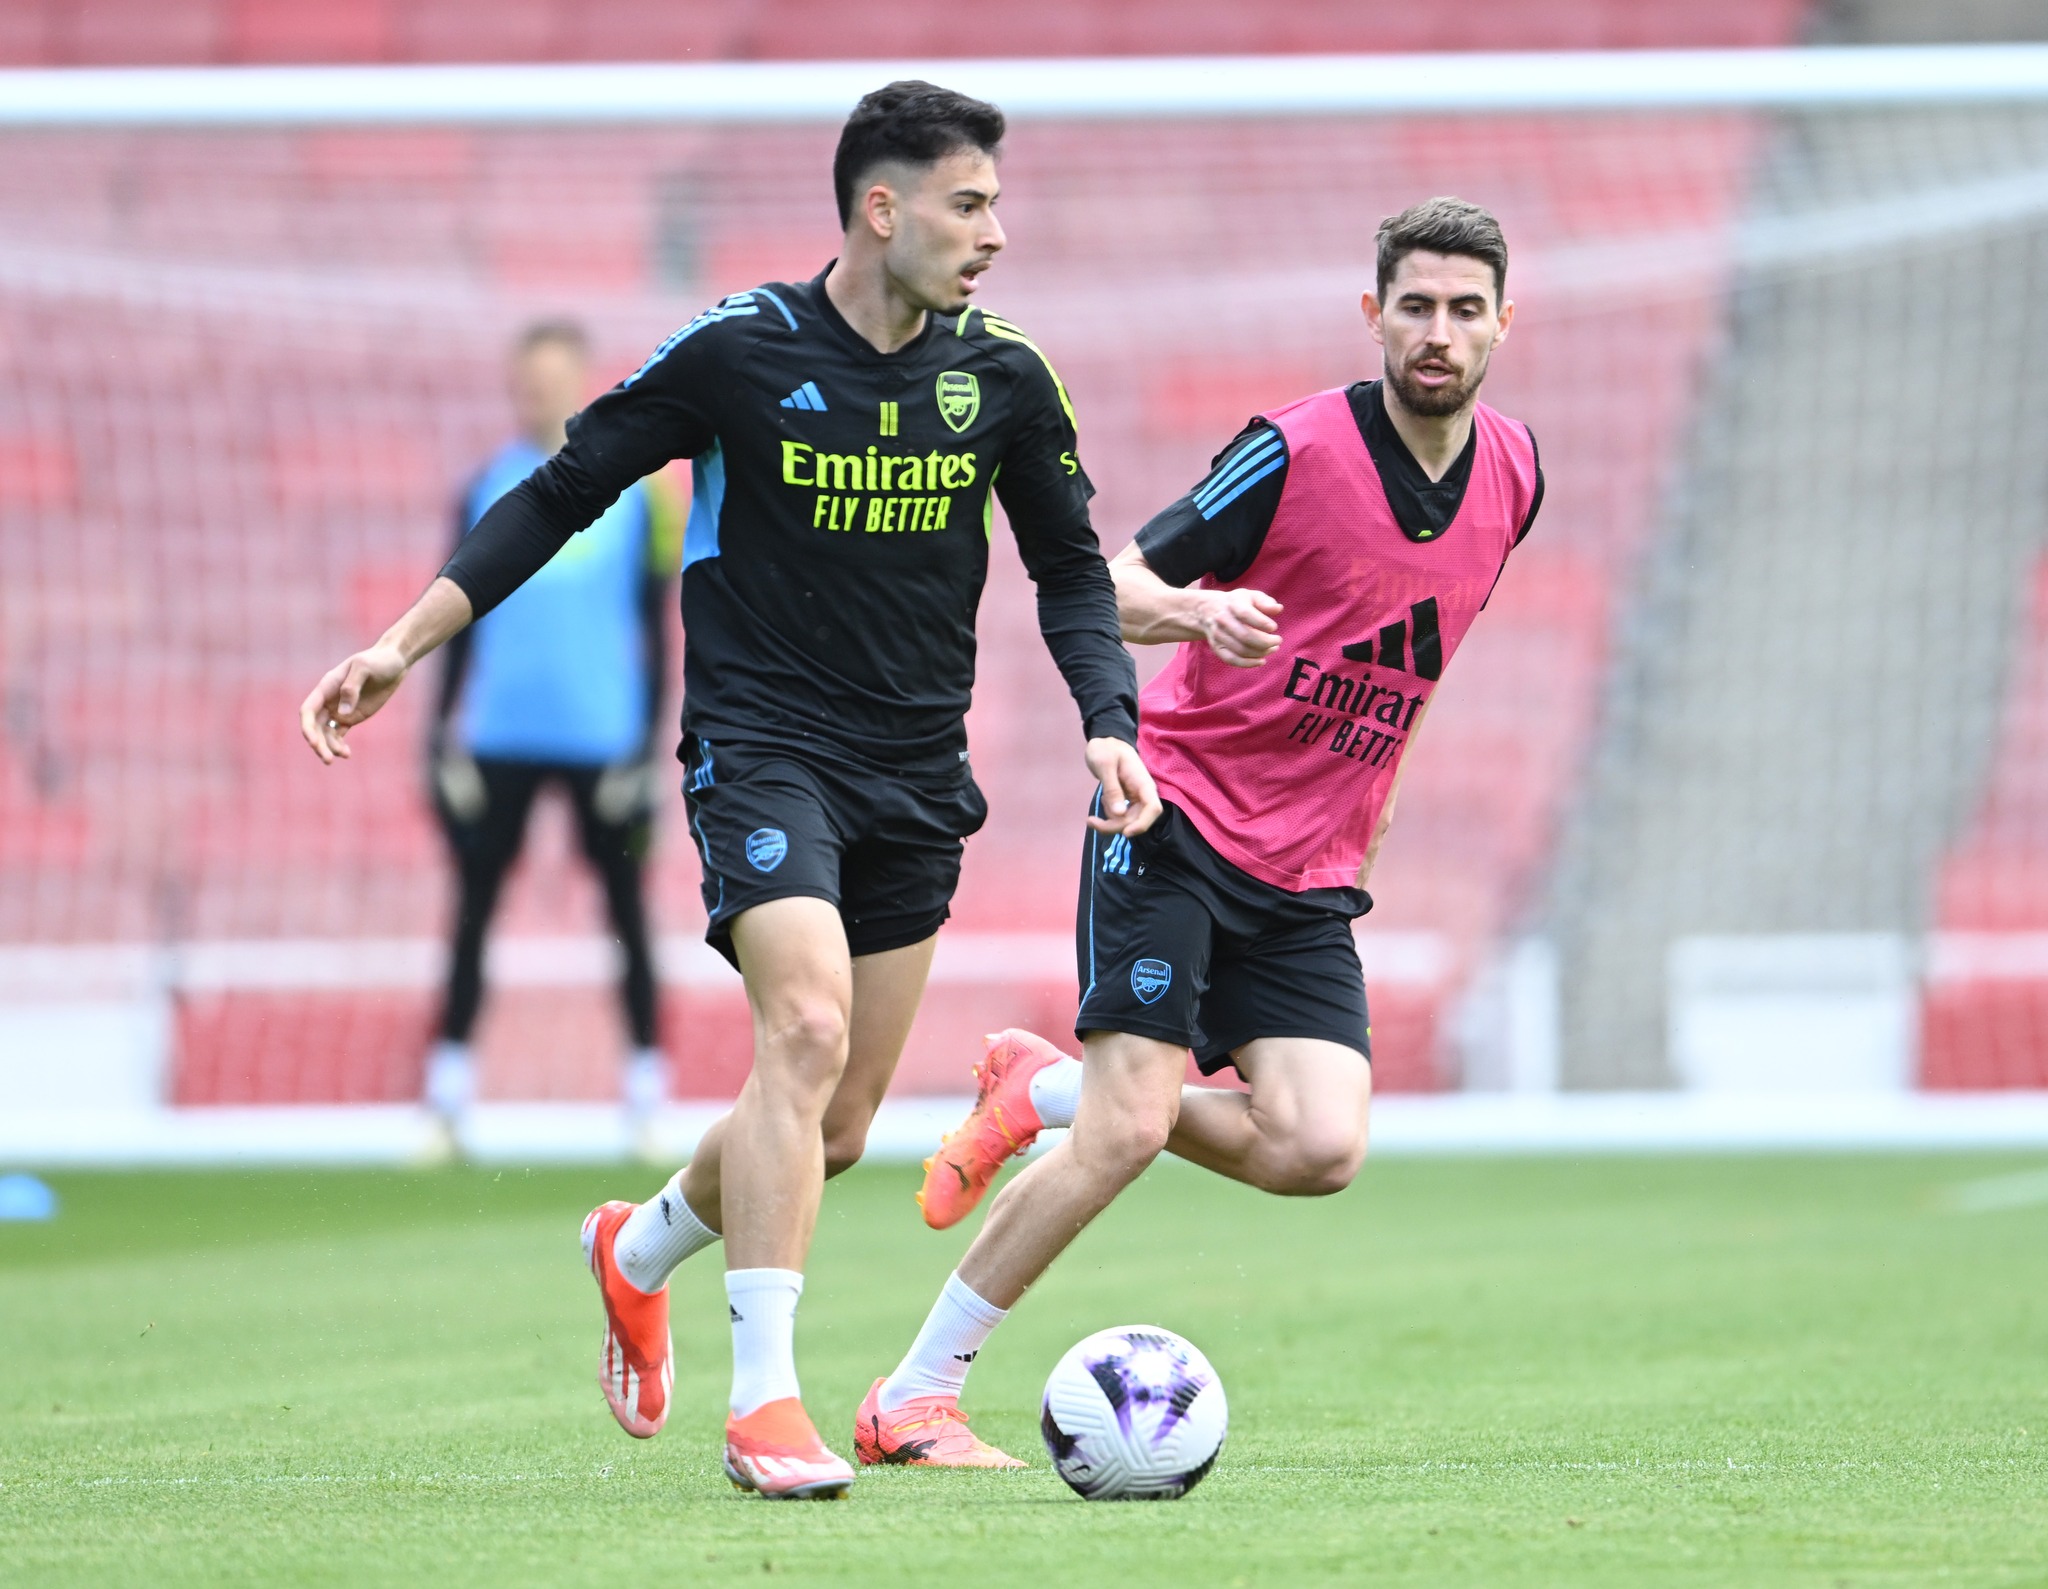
561	684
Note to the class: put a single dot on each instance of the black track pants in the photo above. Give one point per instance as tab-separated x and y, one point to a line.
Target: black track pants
484	852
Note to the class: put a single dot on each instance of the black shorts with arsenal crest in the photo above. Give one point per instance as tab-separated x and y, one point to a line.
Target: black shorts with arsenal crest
1176	943
883	847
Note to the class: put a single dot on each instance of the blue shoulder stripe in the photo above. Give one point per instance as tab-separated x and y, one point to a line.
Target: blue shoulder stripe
1216	505
1254	451
740	303
1266	446
771	297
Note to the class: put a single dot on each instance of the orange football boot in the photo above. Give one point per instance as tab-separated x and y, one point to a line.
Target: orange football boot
929	1432
636	1366
775	1452
1001	1125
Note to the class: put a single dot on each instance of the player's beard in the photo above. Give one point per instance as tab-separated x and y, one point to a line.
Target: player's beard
1435	402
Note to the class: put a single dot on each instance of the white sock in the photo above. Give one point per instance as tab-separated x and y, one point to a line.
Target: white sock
646	1085
451	1078
938	1360
1056	1092
763	1303
660	1234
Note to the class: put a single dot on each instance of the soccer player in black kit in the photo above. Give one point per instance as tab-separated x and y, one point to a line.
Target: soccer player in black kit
846	434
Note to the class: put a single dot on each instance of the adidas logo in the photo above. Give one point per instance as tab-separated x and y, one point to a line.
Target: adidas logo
965	1357
1395	644
807	397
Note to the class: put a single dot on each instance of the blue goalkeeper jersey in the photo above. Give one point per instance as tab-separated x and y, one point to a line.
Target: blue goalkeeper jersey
558	671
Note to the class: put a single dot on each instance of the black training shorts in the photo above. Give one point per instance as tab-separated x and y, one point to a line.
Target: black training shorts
1176	943
882	846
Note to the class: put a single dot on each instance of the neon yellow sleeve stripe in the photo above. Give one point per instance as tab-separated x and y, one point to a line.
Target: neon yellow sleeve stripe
664	525
998	327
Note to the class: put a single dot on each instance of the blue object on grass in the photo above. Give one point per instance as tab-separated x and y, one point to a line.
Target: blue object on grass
25	1197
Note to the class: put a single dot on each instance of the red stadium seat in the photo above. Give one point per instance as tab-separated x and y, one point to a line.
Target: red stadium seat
238	399
59	32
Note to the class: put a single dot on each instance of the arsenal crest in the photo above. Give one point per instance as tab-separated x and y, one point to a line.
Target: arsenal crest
959	398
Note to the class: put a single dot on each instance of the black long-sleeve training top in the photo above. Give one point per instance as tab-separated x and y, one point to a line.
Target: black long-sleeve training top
838	535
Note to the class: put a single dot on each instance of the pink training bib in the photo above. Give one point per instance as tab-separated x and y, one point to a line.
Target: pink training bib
1285	768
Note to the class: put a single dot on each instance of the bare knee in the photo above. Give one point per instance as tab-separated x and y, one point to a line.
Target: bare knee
1316	1165
809	1024
1119	1148
806	1038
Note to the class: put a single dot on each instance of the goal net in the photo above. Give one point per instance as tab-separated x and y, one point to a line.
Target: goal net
1768	680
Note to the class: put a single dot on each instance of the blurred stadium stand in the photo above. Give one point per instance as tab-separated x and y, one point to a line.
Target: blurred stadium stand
1802	731
241	32
1929	21
1803	713
240	373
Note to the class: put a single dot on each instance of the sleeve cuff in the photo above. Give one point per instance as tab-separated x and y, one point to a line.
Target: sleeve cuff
1160	558
460	578
1116	723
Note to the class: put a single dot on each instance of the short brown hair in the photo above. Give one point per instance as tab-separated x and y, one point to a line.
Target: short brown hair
914	122
561	331
1443	226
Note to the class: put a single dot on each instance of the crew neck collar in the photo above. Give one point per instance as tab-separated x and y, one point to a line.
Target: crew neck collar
828	311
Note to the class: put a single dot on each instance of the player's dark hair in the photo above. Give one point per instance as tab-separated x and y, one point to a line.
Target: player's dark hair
917	124
1443	226
561	331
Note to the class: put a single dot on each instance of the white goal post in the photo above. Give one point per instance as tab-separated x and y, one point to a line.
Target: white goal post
728	92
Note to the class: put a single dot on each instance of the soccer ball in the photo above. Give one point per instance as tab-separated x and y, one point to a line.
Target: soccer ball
1133	1414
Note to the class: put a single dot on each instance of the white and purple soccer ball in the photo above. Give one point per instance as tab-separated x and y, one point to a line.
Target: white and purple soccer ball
1133	1414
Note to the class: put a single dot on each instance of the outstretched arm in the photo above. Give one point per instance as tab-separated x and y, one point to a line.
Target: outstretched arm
455	650
354	689
510	544
660	413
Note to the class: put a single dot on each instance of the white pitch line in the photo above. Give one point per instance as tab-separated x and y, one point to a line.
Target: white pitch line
1997	1193
907	1128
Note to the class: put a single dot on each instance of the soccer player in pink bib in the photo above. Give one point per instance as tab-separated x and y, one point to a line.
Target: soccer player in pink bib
1318	581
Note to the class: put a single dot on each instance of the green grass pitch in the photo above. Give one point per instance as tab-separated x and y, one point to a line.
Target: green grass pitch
1827	1371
